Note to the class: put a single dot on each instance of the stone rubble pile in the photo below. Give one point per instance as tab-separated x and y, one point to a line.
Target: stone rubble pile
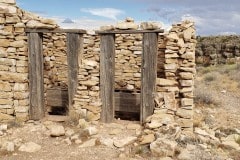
205	144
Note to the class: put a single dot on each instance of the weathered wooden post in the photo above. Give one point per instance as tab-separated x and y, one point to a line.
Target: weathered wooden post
36	76
107	70
74	47
149	74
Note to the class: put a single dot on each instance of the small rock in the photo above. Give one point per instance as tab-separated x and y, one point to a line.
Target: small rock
133	126
3	127
67	141
56	130
75	137
231	141
107	142
82	123
127	24
163	147
30	147
130	87
69	132
115	131
78	141
185	155
129	19
8	146
90	131
89	143
150	25
125	141
147	139
166	158
107	28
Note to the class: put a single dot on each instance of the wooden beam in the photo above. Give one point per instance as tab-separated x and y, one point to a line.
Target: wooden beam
129	31
58	30
57	97
149	74
107	69
127	102
36	76
74	49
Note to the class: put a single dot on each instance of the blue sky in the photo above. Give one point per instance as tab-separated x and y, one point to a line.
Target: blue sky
212	17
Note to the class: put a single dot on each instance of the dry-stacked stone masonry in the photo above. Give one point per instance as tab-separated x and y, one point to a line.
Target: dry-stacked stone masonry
176	69
14	86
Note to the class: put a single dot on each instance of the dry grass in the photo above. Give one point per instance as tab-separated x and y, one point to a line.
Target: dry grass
222	77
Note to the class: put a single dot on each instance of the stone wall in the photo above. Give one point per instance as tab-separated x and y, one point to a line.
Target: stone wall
174	97
176	68
14	91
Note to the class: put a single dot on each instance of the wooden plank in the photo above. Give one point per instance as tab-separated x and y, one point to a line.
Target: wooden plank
129	31
127	102
107	69
36	76
59	30
57	97
149	74
74	49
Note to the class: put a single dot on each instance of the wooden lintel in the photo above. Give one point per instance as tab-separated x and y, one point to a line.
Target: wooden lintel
59	30
130	31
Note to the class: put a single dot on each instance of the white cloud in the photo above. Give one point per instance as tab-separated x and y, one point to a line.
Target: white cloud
83	23
110	13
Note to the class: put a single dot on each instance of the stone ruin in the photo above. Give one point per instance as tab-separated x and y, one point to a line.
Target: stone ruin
175	72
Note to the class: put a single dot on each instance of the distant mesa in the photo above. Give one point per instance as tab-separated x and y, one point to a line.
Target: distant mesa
68	20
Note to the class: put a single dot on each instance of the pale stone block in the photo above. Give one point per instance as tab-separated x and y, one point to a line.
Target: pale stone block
18	44
24	102
186	75
6	61
12	19
186	83
6	95
21	109
2	20
184	113
186	102
5	106
170	66
170	101
14	77
8	1
188	33
4	42
20	87
166	82
185	123
20	95
5	86
6	102
22	69
22	63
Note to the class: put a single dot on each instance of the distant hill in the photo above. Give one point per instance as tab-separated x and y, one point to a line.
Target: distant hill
218	50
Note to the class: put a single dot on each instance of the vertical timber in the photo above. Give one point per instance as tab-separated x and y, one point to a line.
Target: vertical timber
74	49
36	76
107	70
149	74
